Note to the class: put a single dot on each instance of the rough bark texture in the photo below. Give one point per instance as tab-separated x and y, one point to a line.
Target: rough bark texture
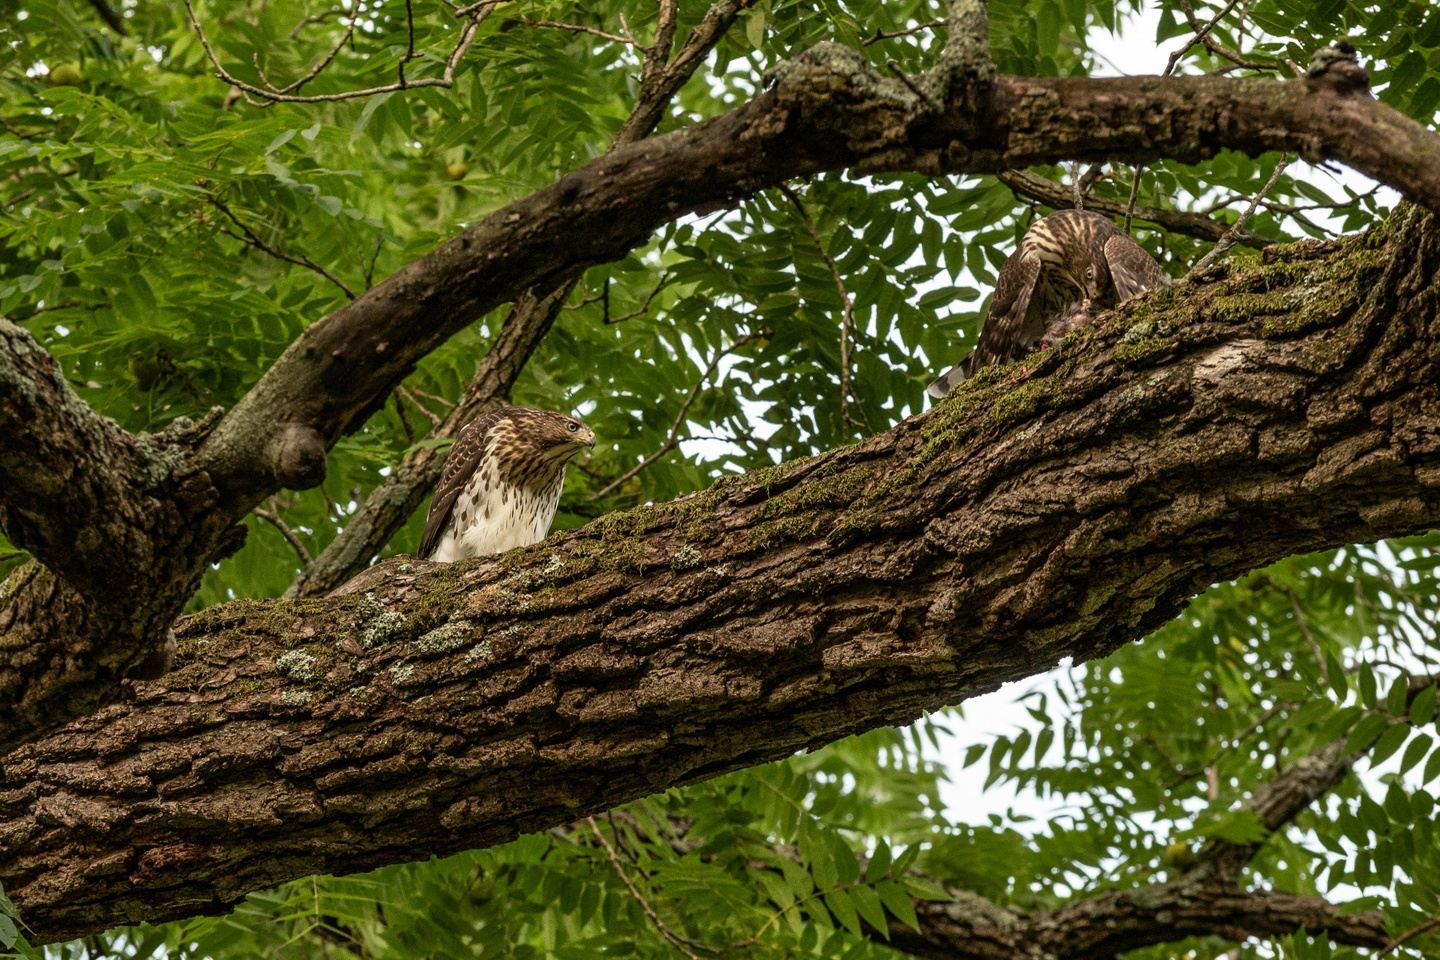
1057	507
1108	924
114	522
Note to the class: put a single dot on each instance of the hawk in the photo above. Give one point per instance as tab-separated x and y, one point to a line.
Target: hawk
1067	264
501	482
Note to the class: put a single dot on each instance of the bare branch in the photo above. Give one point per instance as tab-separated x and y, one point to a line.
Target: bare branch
1229	239
581	28
251	238
474	15
880	35
1176	221
1407	936
272	516
672	437
644	308
1202	35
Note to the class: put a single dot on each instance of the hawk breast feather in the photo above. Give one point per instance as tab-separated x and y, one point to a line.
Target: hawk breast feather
461	464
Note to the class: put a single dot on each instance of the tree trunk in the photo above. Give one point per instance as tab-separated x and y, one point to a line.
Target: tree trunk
1058	507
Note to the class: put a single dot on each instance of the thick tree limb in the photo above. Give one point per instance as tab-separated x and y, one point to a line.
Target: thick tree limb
1201	432
76	491
1108	924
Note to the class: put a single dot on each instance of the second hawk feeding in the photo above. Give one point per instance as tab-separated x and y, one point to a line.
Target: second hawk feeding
1066	264
501	482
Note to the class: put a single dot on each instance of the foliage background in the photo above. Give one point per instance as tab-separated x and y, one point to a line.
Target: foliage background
166	242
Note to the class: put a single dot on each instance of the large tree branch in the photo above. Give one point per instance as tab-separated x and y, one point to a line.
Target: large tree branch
1110	923
1199	433
827	110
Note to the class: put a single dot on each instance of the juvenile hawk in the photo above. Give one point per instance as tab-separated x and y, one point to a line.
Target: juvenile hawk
501	482
1067	264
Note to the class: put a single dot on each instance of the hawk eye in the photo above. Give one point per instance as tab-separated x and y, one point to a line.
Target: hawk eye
574	426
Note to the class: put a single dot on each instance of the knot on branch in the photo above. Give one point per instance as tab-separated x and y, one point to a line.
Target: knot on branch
297	455
1337	68
157	662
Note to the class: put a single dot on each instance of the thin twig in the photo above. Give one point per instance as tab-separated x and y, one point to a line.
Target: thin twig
880	35
683	944
582	28
644	308
847	317
250	237
409	394
410	43
316	18
672	437
475	14
1229	239
1407	936
404	421
1134	194
321	64
273	517
1202	35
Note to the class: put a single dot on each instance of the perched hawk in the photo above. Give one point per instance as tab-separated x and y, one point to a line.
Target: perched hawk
1067	264
501	482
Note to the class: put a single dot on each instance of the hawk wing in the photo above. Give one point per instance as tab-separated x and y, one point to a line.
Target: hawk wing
1003	331
460	466
1132	270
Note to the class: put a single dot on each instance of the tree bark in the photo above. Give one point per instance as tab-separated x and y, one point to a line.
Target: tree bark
1057	507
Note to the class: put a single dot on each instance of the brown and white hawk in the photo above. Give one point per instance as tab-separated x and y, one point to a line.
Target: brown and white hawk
501	482
1067	264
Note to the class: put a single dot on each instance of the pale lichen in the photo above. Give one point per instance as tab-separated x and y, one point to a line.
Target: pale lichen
686	558
378	625
449	636
296	665
401	673
295	696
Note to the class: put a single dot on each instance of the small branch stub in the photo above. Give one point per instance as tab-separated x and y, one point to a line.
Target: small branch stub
297	453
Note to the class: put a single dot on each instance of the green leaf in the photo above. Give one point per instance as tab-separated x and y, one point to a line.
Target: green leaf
867	902
1422	708
839	903
1366	732
898	902
1398	699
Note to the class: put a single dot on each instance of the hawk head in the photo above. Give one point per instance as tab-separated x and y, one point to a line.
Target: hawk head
1090	273
531	444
